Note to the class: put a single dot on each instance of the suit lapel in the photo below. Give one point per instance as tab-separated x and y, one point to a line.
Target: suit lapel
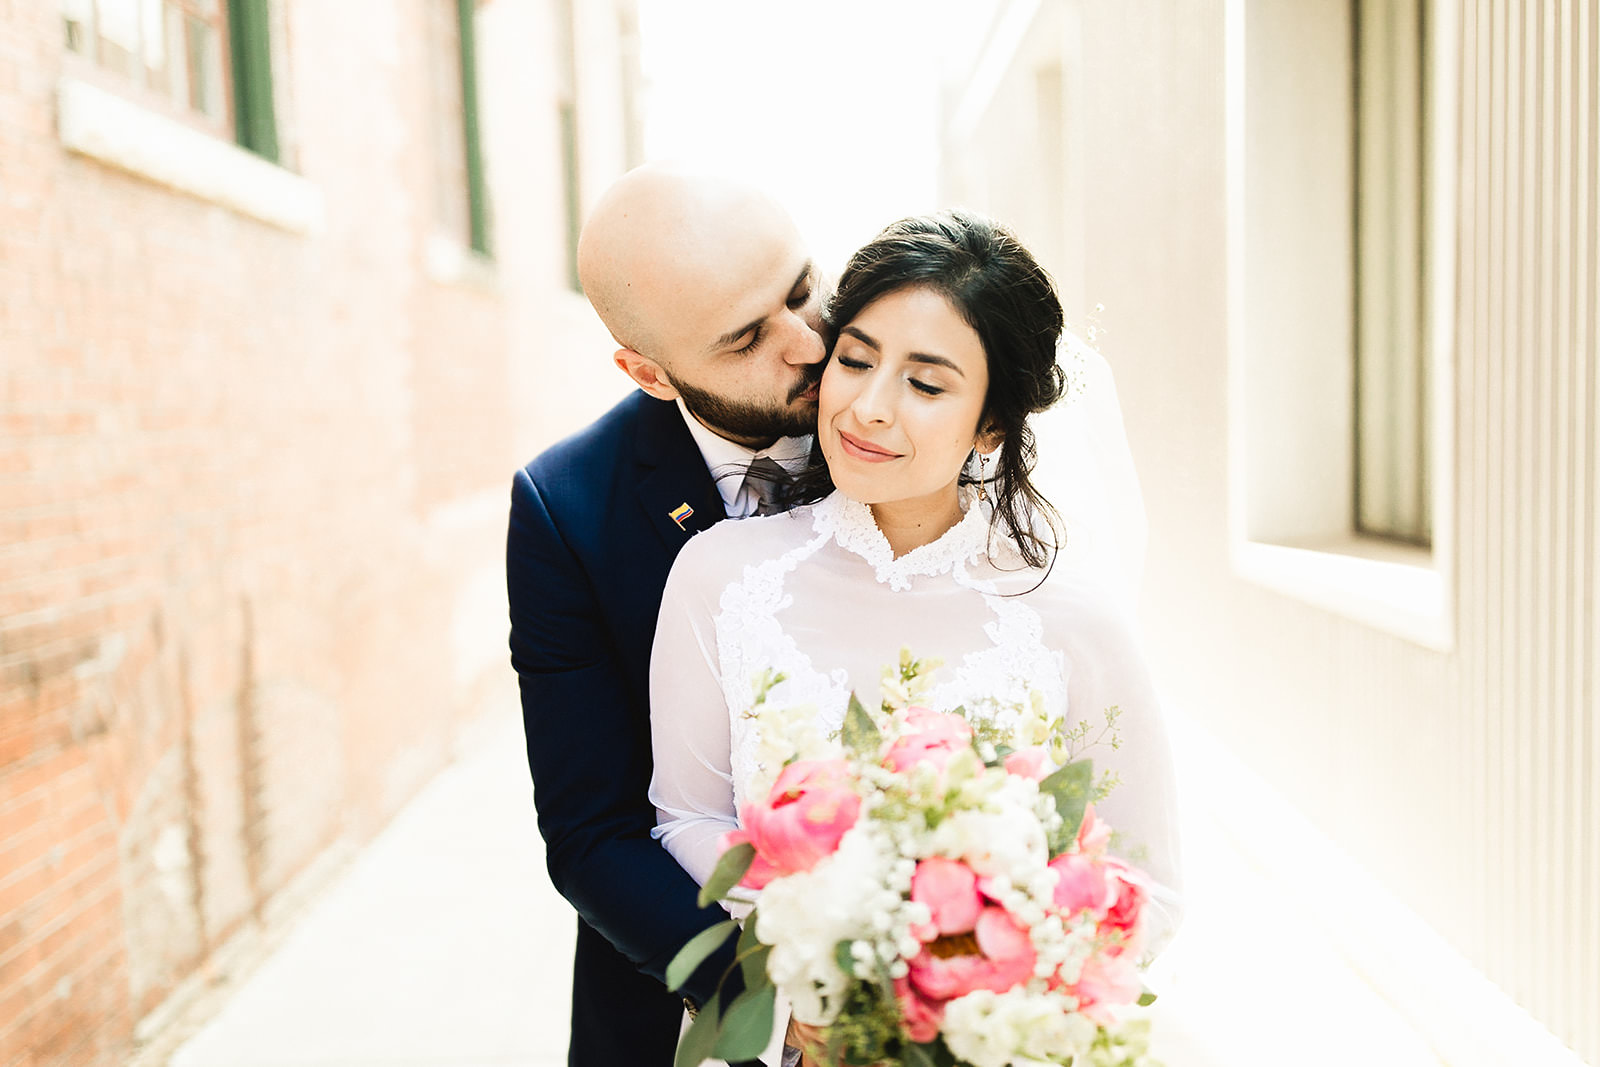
673	476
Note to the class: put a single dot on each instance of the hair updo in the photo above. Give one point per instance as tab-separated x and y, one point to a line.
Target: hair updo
1002	292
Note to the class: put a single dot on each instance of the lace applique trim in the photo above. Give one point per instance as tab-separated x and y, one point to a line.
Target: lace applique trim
749	640
851	524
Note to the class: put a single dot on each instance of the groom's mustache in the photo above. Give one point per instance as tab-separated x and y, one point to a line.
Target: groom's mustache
810	375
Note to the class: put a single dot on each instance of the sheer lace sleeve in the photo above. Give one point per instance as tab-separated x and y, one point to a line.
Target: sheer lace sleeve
1107	670
692	787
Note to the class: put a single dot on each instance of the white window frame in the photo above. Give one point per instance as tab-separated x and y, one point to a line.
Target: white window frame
123	133
1291	425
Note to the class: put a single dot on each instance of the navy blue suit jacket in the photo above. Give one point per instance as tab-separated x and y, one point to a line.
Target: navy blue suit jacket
590	543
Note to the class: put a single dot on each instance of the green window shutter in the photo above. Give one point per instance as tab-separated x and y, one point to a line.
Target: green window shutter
477	195
255	124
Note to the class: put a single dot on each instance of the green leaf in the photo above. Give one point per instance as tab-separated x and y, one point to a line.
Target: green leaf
699	1042
843	957
1070	786
693	954
859	733
752	956
1146	999
747	1028
730	868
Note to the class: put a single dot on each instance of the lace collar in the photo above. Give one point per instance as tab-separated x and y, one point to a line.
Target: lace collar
850	523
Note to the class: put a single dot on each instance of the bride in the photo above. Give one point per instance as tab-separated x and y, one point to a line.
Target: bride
919	527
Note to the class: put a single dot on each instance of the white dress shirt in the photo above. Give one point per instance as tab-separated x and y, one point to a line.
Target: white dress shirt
728	460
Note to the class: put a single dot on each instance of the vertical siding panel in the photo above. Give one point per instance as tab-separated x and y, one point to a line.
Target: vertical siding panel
1557	241
1483	522
1465	859
1522	365
1475	598
1544	954
1502	577
1588	711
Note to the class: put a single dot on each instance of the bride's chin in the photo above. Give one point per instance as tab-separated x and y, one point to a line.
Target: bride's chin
859	489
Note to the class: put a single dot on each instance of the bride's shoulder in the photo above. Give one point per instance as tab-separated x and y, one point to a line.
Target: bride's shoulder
1081	600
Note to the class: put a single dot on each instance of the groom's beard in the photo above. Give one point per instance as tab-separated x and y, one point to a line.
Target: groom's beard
753	421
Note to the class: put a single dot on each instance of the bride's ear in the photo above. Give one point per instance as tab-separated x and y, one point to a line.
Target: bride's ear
989	439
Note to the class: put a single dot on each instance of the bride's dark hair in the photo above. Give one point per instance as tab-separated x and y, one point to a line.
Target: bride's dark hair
1009	301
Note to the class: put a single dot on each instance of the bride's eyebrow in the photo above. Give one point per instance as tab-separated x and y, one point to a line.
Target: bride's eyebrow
914	357
861	336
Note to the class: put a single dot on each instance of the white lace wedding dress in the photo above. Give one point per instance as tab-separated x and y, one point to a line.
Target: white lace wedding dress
818	595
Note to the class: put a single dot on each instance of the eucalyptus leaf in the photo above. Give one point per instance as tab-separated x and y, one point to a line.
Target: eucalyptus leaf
730	868
747	1027
699	1042
844	958
752	956
1069	786
693	954
934	1054
859	733
1146	999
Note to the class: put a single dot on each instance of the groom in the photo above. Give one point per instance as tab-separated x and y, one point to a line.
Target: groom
706	287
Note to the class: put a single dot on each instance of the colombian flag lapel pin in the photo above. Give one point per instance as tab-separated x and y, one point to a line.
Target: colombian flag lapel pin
679	513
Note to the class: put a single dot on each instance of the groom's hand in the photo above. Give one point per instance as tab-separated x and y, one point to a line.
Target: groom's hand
812	1041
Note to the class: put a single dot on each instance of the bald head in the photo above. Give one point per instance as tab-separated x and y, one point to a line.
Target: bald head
665	253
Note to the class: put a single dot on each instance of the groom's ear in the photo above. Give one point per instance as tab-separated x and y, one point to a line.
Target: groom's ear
646	373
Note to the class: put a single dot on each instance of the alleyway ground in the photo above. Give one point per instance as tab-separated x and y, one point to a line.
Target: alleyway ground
443	943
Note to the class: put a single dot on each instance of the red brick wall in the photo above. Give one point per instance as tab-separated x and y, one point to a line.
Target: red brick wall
249	483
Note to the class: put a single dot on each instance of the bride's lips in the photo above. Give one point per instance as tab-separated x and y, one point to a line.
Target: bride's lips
864	450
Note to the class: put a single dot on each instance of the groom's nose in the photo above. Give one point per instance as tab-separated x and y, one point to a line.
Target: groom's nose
802	342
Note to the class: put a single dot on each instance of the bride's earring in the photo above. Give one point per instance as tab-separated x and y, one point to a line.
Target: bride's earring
983	476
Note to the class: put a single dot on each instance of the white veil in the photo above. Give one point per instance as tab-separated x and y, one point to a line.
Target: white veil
1086	470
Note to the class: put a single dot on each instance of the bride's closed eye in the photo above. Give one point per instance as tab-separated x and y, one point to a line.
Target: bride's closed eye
925	388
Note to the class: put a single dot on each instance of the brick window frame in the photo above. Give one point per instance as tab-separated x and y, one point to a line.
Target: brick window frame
112	114
203	63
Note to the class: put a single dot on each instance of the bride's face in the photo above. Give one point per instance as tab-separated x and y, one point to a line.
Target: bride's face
901	399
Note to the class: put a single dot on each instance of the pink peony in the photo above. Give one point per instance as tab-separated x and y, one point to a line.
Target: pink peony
921	1015
950	890
934	738
810	808
1129	891
1028	763
760	871
1106	982
1093	835
998	955
1082	885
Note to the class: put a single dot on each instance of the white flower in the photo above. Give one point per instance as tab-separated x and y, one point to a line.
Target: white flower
804	916
1018	1028
786	733
993	843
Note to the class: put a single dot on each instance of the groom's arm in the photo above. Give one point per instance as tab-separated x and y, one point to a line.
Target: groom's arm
589	752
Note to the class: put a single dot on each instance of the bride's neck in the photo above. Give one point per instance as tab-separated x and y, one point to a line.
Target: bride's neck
909	524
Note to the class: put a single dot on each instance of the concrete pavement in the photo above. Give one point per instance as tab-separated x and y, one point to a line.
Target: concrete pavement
443	943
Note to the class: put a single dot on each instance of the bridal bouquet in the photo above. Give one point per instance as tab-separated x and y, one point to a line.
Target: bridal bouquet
935	889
